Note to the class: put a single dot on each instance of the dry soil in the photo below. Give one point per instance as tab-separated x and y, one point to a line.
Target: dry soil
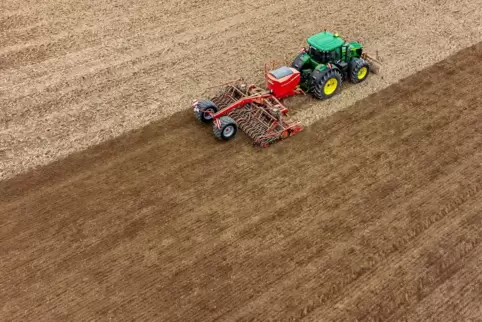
76	73
372	214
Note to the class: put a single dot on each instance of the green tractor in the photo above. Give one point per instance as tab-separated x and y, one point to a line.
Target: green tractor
329	61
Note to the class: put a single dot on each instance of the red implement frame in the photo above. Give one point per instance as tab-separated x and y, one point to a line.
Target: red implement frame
258	112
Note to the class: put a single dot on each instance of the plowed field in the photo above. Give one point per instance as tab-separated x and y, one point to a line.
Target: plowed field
76	73
374	213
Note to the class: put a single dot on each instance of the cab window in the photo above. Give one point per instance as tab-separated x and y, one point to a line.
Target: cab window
323	57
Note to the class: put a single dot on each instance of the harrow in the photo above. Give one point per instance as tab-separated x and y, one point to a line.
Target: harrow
256	111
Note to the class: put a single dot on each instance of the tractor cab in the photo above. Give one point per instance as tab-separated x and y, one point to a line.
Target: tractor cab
282	82
325	47
325	41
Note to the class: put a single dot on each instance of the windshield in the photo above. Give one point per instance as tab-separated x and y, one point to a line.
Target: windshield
322	57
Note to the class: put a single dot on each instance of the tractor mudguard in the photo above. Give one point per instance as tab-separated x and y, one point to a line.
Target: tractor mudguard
320	68
317	74
320	71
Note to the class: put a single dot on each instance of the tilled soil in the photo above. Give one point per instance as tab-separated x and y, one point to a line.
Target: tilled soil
76	73
375	213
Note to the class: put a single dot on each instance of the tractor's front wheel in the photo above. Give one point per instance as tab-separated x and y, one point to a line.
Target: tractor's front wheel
359	70
204	110
225	128
326	84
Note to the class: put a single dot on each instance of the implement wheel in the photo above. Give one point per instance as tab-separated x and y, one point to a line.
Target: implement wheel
359	70
227	130
204	111
326	84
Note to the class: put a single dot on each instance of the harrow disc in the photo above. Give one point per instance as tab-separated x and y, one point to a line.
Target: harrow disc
253	110
253	120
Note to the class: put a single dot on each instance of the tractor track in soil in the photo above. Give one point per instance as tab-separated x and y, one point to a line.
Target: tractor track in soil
73	75
373	213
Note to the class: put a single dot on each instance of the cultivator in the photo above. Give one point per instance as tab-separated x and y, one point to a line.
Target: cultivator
255	111
374	62
263	127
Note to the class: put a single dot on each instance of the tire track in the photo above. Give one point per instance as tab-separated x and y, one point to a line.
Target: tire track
343	264
419	271
145	21
453	298
166	223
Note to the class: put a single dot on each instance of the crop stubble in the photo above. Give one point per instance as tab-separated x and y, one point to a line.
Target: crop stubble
74	74
374	213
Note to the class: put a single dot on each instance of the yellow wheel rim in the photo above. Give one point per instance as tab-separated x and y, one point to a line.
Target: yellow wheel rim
362	73
330	86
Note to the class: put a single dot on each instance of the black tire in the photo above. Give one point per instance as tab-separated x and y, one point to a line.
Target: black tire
356	65
298	65
319	81
203	107
228	128
298	62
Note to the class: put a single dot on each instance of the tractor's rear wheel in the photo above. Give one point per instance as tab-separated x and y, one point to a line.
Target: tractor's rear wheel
298	65
326	84
227	129
298	62
359	69
205	110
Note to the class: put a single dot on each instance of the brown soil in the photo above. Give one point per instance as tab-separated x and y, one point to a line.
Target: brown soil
374	213
76	73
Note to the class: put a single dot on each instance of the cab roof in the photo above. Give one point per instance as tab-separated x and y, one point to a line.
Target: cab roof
325	41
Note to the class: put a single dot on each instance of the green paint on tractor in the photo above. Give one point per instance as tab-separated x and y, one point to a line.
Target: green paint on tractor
327	62
325	41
